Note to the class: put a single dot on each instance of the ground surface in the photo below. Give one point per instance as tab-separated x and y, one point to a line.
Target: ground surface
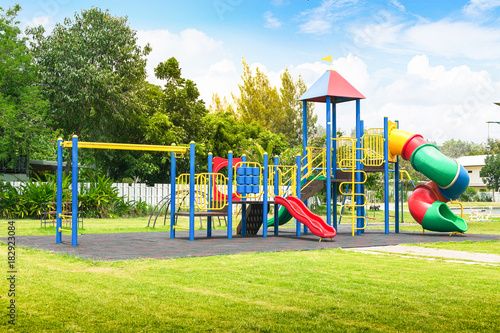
158	245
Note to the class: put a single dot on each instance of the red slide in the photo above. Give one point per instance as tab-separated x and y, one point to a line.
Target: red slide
302	214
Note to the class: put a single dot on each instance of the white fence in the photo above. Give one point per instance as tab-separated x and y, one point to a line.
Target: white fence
152	195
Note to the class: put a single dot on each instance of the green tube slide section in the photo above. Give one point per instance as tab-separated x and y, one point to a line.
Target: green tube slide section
440	218
428	160
283	217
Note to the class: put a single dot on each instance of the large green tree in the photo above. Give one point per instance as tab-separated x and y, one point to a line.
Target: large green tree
91	69
276	109
491	172
23	111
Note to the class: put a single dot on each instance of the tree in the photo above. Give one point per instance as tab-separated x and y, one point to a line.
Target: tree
456	148
180	102
91	69
275	109
491	172
23	126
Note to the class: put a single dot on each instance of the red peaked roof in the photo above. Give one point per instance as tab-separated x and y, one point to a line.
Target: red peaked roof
331	84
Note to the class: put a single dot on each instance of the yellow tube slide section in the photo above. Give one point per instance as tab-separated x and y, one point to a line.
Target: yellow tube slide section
397	139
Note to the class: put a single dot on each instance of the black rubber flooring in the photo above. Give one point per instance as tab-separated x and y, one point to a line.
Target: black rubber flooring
158	245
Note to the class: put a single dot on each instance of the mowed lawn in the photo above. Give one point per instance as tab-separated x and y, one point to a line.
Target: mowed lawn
309	291
300	291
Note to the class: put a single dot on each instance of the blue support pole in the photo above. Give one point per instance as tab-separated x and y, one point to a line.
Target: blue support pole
357	189
74	193
304	128
297	223
244	206
59	189
210	198
191	189
362	198
172	193
328	162
334	162
229	195
396	192
386	174
266	190
276	192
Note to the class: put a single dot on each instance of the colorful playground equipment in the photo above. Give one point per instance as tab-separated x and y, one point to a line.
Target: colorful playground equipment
343	164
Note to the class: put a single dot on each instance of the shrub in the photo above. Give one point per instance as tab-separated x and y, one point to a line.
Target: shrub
470	195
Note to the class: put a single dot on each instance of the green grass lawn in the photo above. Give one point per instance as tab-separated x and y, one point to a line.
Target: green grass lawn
492	247
310	291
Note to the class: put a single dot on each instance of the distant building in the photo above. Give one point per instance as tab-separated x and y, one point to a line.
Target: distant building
473	165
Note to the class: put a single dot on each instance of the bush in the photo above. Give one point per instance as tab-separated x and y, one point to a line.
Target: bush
485	197
470	195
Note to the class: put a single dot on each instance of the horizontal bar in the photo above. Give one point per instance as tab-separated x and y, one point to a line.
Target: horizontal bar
126	146
65	230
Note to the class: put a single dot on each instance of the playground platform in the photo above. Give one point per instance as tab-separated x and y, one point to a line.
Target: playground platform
158	245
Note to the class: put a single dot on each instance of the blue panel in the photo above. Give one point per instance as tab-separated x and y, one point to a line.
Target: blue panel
255	188
241	189
240	180
240	171
248	171
248	188
249	180
256	171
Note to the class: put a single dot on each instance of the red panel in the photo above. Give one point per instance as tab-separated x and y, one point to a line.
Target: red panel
302	214
217	164
420	200
339	87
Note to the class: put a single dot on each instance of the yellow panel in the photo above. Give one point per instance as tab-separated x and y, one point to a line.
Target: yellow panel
126	146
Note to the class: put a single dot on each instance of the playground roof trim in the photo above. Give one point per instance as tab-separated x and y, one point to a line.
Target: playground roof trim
331	84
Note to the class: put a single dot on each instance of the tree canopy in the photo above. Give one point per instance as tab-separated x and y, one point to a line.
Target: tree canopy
491	172
23	126
91	69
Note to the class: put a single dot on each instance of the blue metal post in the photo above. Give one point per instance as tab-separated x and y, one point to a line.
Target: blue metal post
396	192
74	192
191	189
210	198
297	223
244	206
276	192
266	190
59	189
334	163
328	162
357	189
386	174
362	198
172	193
229	195
304	128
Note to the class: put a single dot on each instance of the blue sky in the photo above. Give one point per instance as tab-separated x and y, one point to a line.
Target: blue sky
431	64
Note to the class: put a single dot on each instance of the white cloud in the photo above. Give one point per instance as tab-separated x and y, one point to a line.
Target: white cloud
46	21
319	20
476	7
398	5
439	103
271	21
444	38
200	56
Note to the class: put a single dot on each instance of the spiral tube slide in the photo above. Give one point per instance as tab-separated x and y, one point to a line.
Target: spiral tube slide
449	180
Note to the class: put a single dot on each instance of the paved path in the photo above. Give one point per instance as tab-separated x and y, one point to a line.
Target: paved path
449	255
158	245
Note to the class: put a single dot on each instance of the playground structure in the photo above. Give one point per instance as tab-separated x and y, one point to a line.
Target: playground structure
343	164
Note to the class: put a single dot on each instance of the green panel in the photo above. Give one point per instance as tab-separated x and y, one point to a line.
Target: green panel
439	217
283	217
428	160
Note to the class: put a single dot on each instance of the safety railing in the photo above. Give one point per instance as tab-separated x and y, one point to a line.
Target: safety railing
373	147
207	186
249	186
286	180
346	152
